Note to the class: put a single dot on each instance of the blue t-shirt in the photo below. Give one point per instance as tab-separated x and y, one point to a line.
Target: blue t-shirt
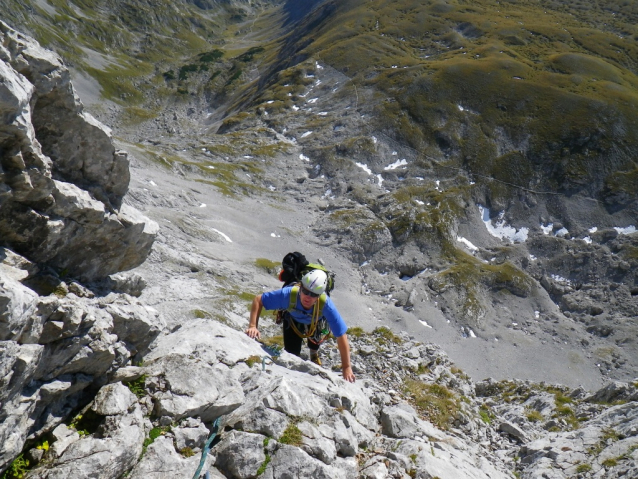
280	299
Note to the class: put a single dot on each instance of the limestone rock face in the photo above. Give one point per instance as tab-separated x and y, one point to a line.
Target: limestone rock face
52	350
61	179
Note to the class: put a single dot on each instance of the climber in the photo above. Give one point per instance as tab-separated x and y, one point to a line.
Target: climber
307	313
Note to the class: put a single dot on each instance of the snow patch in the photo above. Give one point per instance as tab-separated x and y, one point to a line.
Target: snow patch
560	279
364	167
312	100
626	230
396	164
467	243
380	178
502	230
424	323
223	235
308	133
304	157
547	229
203	205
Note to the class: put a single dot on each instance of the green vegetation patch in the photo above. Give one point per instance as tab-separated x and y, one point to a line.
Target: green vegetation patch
384	335
436	402
267	265
17	469
292	435
137	386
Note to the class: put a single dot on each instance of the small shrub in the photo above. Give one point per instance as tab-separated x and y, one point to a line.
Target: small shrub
87	423
17	469
154	434
137	386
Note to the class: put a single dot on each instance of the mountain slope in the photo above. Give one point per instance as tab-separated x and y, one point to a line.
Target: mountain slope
475	156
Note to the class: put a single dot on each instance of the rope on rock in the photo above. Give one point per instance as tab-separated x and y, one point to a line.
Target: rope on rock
207	448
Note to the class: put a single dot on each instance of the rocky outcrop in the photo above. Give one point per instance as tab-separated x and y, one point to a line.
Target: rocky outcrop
61	179
55	351
286	417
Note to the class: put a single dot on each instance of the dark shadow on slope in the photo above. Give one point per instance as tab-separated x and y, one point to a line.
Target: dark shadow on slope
297	9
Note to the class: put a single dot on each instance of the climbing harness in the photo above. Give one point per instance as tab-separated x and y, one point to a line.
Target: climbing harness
318	330
207	448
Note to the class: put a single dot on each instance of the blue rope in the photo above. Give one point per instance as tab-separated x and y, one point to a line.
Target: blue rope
207	448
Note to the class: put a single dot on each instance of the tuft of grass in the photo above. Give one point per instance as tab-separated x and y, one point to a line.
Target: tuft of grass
486	414
533	415
187	452
355	332
384	335
292	435
268	265
610	463
252	360
263	467
201	314
582	468
436	402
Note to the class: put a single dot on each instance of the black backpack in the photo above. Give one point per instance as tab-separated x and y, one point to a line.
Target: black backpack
295	265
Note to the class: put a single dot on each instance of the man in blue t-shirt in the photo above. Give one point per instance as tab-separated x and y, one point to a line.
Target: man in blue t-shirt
298	320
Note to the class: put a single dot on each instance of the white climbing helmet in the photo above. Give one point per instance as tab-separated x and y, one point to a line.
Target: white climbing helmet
315	281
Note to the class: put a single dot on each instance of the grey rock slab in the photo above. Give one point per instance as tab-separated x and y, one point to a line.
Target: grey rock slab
402	421
240	454
290	462
208	341
161	461
184	388
113	399
17	303
263	420
449	458
191	433
105	456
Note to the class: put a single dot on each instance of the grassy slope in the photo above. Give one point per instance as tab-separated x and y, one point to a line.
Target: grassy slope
538	94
